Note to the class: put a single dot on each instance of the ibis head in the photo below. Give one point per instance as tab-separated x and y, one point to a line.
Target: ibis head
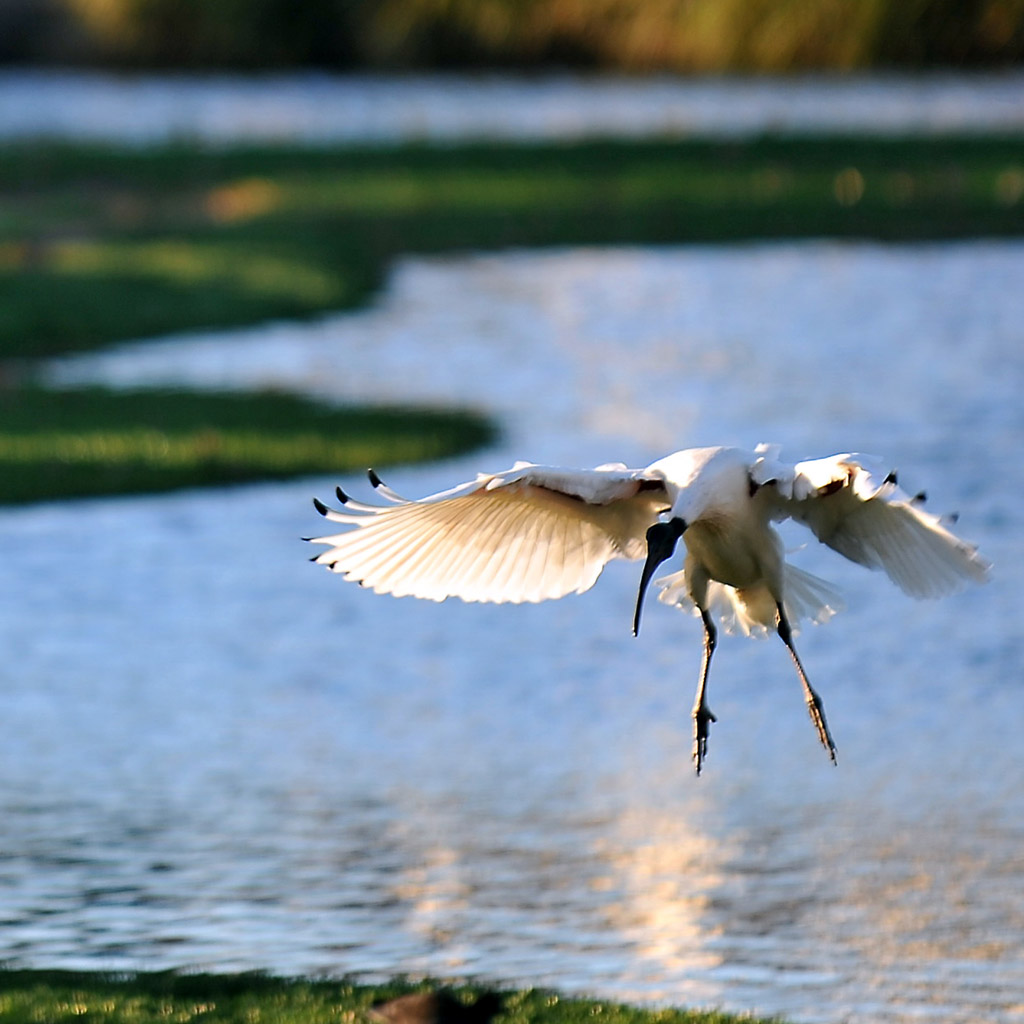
662	539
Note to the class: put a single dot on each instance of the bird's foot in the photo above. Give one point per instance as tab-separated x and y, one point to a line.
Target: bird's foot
816	710
702	719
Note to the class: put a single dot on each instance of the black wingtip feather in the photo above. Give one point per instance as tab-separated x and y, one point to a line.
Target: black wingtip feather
891	478
342	496
374	479
320	506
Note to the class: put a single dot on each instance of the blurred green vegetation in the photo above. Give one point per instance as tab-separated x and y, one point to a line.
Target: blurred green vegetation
58	996
106	245
636	35
98	246
92	441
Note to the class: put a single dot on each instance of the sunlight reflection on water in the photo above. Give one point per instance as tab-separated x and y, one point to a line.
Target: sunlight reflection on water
219	757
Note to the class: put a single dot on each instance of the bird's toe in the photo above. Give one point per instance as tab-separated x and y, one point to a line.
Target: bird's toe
817	712
702	719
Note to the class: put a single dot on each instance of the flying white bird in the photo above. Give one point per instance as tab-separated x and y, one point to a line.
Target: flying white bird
538	532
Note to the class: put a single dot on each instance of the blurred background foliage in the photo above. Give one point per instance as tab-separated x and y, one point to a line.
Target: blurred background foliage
698	36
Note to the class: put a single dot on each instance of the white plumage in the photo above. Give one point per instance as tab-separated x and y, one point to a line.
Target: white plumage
537	532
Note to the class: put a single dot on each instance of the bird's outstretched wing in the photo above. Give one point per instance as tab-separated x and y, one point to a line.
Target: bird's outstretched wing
528	534
872	522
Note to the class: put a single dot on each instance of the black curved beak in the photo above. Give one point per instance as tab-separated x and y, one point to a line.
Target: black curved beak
662	539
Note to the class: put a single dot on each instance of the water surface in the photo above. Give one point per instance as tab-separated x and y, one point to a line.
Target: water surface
218	756
318	108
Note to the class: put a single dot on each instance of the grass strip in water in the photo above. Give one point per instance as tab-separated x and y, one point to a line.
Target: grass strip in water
91	441
100	245
59	996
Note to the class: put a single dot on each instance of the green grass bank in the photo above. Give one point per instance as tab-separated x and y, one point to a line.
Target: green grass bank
97	998
104	245
100	245
92	442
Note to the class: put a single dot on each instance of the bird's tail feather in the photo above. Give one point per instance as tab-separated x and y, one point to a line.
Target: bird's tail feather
752	612
806	596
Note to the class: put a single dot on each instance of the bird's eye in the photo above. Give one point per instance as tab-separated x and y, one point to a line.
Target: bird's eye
657	532
665	533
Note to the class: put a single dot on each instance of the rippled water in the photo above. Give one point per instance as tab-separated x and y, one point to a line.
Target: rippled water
218	756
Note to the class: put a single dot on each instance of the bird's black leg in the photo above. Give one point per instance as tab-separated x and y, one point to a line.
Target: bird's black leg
814	705
702	717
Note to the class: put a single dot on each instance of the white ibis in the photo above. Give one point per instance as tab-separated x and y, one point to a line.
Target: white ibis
539	532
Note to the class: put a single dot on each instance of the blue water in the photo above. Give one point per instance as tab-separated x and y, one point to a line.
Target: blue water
217	756
303	108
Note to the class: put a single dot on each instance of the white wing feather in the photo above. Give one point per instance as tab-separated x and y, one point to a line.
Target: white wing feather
529	534
875	524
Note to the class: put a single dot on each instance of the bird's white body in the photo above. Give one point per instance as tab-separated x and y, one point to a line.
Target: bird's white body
732	552
539	532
